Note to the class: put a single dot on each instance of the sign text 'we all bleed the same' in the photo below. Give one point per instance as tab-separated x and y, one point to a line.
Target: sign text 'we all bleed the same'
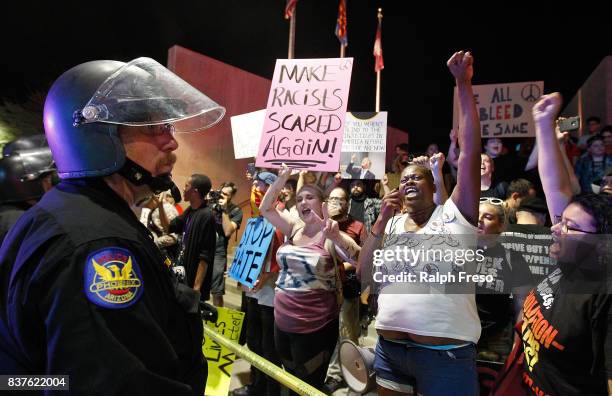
306	112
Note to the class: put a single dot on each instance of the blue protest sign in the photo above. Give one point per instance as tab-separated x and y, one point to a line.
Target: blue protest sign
251	252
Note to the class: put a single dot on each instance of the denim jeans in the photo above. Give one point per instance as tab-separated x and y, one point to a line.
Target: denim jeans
428	372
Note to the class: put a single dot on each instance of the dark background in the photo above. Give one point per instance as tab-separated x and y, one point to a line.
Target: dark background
40	40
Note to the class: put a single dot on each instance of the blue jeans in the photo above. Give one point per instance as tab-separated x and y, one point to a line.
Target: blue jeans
427	372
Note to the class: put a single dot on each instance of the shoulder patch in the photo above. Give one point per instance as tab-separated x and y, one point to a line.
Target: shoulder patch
112	278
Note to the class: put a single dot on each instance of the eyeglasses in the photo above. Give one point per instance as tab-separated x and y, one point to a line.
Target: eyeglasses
336	199
566	229
492	201
158	130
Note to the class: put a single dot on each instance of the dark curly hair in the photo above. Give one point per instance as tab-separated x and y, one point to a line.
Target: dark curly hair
598	206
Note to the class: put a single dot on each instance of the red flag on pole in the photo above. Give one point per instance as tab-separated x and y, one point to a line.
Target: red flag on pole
378	53
341	32
289	8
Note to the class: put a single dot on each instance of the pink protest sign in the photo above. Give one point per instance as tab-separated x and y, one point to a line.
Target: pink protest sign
305	115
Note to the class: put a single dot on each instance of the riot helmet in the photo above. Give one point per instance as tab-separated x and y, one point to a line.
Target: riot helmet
21	171
86	105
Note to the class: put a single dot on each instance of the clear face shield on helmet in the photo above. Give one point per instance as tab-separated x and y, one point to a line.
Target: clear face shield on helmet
143	92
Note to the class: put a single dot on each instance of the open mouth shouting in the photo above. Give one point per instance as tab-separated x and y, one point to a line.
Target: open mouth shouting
410	191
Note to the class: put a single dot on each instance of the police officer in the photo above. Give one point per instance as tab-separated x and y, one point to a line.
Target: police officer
26	172
84	291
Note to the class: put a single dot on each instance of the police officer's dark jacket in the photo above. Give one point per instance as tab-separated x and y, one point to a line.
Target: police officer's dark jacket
9	214
85	292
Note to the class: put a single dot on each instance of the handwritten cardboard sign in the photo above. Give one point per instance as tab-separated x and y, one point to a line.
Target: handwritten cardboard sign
251	252
220	359
364	145
305	114
504	109
246	133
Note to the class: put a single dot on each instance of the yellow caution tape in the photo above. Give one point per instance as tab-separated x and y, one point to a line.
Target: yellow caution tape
268	368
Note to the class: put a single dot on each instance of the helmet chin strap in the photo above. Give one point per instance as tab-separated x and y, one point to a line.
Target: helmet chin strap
139	176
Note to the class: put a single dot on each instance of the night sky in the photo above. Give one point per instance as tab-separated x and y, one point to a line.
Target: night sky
43	39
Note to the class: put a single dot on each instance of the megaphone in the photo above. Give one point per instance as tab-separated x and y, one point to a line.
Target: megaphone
357	365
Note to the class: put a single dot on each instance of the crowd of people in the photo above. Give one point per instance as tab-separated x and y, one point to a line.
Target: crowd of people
89	289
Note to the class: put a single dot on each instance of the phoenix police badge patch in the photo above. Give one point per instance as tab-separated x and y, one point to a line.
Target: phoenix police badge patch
112	278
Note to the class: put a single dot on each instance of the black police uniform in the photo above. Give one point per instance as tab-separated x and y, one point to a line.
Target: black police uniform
85	292
9	214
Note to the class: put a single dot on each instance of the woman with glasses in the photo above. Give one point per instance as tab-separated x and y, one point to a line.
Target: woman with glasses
567	329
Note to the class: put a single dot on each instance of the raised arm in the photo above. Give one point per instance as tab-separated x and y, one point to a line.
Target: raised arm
467	191
552	170
532	161
163	217
335	183
348	248
284	222
434	164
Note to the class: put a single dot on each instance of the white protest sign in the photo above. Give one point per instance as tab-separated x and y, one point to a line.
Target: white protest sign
504	109
364	145
246	133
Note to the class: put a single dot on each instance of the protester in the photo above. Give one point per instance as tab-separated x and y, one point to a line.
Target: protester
573	357
337	207
606	134
361	207
487	188
156	215
593	125
508	166
530	237
606	183
259	301
518	190
591	166
228	218
434	163
286	198
308	282
499	300
427	341
197	226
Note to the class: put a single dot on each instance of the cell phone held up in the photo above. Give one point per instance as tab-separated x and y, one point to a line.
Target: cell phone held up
569	124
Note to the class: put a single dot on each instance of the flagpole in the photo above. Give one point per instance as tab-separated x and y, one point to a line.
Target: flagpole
378	72
292	34
342	45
